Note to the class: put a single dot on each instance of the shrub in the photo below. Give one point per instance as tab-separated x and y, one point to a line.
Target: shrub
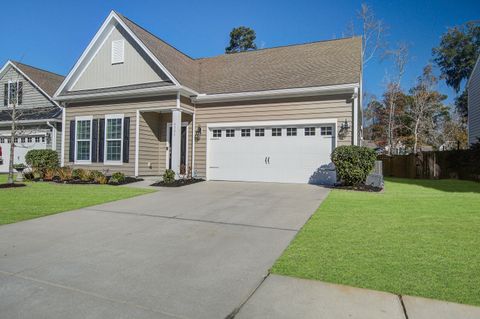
65	173
117	178
76	173
28	175
353	163
49	174
85	175
42	159
96	176
169	176
102	180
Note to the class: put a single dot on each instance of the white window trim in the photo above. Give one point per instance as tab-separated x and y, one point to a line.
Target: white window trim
77	119
10	82
105	161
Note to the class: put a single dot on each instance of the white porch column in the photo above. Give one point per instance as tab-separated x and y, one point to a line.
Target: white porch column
355	117
176	140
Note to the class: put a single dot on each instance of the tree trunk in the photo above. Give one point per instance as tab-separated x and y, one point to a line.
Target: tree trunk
12	146
415	136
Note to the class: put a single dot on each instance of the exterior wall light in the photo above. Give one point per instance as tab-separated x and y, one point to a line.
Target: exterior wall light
198	133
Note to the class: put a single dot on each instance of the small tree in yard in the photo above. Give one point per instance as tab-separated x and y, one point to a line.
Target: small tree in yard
353	163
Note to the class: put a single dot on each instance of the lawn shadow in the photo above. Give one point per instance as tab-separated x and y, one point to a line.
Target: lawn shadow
444	185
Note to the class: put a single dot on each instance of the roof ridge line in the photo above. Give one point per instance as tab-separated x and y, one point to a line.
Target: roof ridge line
37	68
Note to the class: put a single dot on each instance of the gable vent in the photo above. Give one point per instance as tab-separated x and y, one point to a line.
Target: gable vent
118	47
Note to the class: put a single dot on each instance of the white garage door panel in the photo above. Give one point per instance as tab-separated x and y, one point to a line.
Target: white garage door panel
287	159
21	149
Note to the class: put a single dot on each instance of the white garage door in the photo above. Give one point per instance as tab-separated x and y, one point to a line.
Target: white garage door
22	146
277	152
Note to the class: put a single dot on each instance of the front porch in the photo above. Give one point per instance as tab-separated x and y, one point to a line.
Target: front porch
164	140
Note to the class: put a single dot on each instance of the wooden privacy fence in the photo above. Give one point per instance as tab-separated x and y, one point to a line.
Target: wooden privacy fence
431	165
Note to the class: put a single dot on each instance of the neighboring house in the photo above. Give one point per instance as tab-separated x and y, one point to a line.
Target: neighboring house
39	116
135	104
473	89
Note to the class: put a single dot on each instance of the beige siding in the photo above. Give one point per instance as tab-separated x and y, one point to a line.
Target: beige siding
151	131
137	67
336	107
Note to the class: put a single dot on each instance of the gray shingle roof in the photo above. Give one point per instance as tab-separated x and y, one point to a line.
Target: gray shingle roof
47	81
305	65
32	114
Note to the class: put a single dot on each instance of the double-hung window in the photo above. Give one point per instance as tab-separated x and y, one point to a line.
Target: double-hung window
13	92
113	138
83	139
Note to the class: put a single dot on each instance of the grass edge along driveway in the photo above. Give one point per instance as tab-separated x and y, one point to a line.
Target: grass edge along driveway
39	199
419	237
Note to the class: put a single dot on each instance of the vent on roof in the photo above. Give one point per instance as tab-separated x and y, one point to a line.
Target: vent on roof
118	47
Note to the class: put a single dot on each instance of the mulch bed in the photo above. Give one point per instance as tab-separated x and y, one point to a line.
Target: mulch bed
179	182
8	185
128	180
360	188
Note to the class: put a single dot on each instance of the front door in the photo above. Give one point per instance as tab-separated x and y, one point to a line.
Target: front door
183	149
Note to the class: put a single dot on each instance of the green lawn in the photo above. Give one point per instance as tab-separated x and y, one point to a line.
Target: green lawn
419	237
41	199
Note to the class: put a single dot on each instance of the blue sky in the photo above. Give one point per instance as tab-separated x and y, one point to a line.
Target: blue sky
53	34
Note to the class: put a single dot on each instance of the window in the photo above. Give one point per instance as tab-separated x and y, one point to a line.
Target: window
245	132
118	48
276	131
230	133
2	140
29	139
309	131
217	133
326	131
22	140
15	140
83	139
13	93
291	131
37	139
113	138
259	132
43	139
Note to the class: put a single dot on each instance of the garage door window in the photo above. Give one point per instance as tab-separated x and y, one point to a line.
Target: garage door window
309	131
326	131
245	132
291	131
276	131
259	132
230	133
217	133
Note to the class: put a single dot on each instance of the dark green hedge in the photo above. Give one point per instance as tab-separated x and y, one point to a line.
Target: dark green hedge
42	159
353	163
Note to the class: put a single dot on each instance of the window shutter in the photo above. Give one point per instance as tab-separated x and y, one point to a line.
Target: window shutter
126	139
5	95
118	51
94	140
71	154
101	139
20	92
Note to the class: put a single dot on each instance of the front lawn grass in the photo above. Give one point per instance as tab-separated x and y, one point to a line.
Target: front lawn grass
41	198
419	237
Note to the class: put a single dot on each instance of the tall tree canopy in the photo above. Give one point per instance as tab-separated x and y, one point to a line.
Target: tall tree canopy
241	39
456	56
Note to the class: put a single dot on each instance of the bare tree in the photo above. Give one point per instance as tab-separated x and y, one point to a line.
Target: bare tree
394	90
425	108
373	31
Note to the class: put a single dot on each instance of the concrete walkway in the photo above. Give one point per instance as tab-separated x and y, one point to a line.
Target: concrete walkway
282	297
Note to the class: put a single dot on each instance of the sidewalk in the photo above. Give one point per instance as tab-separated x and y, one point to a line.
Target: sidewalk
286	297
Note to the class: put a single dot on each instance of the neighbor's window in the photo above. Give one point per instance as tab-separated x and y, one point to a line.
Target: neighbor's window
113	138
22	140
291	131
230	133
29	139
309	131
276	131
245	132
83	139
217	133
326	130
37	139
13	93
118	51
259	132
2	140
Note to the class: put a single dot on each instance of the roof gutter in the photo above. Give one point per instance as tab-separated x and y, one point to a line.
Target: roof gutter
308	91
41	121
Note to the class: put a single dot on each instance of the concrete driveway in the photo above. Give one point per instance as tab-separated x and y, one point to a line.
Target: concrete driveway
192	252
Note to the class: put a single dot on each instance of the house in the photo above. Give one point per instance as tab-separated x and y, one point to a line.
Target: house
38	116
135	104
473	90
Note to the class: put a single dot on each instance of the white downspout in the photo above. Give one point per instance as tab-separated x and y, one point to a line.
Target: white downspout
54	136
355	117
62	155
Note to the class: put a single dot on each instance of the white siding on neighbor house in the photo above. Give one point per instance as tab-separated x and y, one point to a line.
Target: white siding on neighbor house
31	97
136	68
474	106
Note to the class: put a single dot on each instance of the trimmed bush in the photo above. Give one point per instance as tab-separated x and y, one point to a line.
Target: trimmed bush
65	174
353	163
42	159
169	176
117	178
